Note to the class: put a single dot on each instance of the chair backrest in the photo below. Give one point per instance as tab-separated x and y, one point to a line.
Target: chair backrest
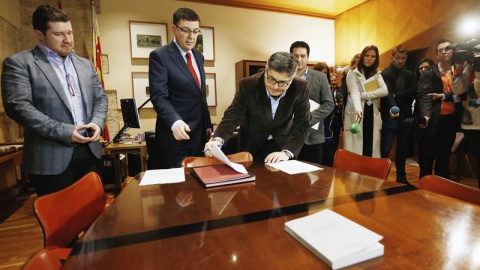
349	161
43	259
66	213
449	188
244	158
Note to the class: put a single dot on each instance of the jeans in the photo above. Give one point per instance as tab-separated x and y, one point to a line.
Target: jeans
390	129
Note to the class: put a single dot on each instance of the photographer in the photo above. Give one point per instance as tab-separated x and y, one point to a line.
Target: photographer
467	80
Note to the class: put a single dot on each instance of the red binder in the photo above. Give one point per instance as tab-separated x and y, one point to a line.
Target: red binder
220	175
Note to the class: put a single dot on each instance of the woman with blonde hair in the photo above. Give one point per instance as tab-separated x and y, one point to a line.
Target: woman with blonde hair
366	87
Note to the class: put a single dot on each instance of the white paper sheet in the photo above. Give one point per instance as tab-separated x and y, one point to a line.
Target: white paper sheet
163	176
218	154
294	167
313	106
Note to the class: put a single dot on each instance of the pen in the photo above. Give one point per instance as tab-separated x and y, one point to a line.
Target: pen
206	150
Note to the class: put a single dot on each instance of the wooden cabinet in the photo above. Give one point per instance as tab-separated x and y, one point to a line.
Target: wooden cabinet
247	68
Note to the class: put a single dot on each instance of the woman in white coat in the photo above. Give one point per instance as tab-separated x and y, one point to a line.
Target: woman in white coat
363	105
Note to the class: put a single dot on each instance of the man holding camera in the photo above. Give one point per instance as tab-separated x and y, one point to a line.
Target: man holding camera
437	114
467	80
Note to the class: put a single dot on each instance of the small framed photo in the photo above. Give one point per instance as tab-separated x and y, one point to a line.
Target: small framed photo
206	43
141	90
146	37
211	88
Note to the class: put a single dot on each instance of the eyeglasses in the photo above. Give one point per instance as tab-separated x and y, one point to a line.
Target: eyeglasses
271	80
424	68
187	30
442	50
70	85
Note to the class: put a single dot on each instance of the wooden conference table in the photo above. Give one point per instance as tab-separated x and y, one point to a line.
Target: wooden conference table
184	226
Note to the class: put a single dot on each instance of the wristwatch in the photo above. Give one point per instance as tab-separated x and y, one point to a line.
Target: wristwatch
288	153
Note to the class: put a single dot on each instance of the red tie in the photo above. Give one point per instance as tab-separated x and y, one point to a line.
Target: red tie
192	70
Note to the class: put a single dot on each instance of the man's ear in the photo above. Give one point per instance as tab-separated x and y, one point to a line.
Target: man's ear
39	35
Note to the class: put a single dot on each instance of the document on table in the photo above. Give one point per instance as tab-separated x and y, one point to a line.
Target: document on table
338	241
294	167
313	106
163	176
218	154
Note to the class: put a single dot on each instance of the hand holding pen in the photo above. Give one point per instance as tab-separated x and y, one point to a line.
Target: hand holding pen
209	145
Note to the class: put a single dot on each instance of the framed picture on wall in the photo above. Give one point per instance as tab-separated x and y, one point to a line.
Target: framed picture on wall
206	43
211	88
146	37
141	90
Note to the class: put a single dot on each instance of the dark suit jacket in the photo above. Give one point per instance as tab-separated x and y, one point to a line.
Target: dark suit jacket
402	90
431	82
251	109
319	91
175	96
33	96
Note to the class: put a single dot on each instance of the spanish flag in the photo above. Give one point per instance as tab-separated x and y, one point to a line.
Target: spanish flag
97	60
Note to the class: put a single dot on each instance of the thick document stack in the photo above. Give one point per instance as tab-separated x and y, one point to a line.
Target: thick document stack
338	241
222	174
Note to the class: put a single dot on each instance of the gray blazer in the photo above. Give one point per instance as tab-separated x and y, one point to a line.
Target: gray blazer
34	98
319	88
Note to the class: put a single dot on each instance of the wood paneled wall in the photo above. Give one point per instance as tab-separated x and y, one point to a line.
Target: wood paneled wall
417	24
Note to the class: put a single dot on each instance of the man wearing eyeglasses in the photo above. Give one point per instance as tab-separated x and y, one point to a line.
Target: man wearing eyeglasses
178	93
437	113
320	96
58	99
264	107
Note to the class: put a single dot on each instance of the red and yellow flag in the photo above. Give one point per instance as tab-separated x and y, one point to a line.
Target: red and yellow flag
97	60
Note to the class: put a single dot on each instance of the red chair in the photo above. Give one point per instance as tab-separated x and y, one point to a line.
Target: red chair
44	259
349	161
449	188
64	214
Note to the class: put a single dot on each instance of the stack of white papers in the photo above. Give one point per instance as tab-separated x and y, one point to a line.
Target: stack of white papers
338	241
294	167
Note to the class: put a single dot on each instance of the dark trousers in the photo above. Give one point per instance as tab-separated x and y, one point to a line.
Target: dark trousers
172	157
437	148
473	145
83	161
311	153
392	128
367	130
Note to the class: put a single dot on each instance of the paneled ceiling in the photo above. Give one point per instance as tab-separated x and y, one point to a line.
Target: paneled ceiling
316	8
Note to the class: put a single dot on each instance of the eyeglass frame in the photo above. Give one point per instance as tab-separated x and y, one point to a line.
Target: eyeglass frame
69	79
187	30
284	83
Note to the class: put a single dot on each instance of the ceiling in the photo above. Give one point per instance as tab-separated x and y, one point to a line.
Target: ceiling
317	8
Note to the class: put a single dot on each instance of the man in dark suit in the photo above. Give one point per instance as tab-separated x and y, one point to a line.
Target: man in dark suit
437	114
402	90
58	98
264	107
178	92
320	95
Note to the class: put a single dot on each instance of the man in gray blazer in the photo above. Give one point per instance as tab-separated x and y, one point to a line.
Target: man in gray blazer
321	102
58	99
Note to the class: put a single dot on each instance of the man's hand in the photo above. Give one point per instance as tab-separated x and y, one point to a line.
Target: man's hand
423	123
94	128
436	96
276	157
208	147
393	115
180	132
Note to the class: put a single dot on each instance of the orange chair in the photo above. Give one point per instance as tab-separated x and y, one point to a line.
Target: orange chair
242	157
44	259
449	188
64	214
348	161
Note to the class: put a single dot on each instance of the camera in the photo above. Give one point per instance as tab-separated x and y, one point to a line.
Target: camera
466	51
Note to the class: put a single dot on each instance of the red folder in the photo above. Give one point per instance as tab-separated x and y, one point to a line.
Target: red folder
220	175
